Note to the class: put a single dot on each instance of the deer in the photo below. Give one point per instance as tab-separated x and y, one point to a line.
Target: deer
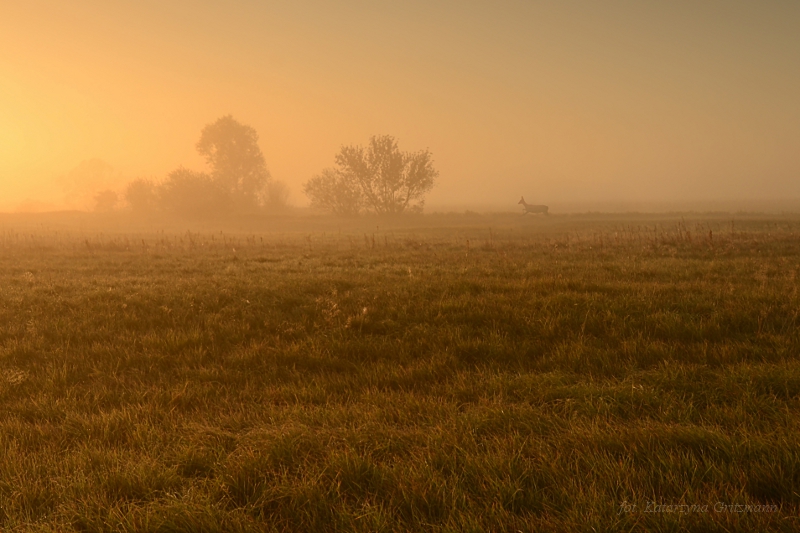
528	208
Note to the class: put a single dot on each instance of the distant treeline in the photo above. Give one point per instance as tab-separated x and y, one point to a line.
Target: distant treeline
378	178
238	179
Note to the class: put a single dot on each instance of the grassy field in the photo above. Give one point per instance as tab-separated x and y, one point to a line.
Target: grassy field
450	373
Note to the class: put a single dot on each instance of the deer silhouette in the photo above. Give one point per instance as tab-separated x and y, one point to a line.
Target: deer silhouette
528	208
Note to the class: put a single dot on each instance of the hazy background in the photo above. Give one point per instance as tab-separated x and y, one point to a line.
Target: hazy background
571	103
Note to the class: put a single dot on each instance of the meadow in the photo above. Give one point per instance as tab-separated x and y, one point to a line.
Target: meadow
438	373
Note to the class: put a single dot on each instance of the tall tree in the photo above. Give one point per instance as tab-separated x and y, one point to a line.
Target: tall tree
237	163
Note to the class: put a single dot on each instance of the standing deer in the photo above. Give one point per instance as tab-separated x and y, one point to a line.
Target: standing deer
528	208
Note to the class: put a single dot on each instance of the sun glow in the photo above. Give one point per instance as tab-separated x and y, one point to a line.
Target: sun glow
563	102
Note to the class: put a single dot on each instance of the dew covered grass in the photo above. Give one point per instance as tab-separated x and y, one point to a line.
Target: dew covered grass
503	374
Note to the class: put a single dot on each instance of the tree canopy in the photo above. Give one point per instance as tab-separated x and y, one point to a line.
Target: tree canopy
333	191
193	194
378	177
236	162
142	195
237	180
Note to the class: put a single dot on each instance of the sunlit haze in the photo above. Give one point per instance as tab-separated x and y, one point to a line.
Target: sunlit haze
570	101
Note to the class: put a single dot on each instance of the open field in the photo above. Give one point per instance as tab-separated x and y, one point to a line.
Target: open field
450	373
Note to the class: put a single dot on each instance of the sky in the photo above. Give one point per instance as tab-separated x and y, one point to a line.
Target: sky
562	101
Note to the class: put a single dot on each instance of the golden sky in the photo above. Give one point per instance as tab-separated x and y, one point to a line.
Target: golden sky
560	101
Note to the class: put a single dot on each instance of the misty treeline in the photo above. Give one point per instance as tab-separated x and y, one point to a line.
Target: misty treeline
237	180
378	178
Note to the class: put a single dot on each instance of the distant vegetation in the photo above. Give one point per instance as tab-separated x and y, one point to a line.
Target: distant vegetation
92	184
379	178
237	182
559	376
106	201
